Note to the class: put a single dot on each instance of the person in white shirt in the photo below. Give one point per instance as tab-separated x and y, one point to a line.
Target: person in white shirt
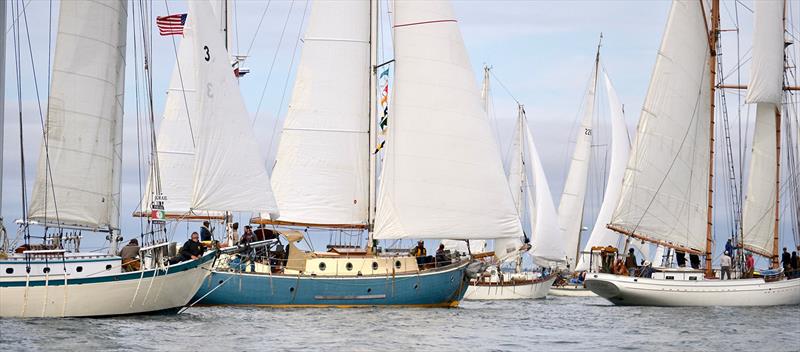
233	234
725	263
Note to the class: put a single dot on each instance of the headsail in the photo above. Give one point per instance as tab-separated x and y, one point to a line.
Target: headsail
442	175
83	142
664	193
230	174
321	173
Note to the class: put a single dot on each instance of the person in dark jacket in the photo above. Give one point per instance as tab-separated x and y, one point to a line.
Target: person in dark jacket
729	248
192	249
795	264
630	263
205	232
786	260
694	260
681	258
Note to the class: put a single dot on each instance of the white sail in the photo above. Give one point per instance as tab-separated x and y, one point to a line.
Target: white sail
442	175
321	173
229	172
83	139
766	70
475	246
758	213
664	193
547	245
175	140
505	248
570	208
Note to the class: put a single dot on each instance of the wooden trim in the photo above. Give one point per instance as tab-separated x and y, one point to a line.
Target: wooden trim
181	216
658	242
744	86
757	251
483	255
263	221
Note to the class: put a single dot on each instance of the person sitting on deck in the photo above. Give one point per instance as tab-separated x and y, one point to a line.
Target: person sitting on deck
647	269
630	263
192	249
130	256
205	232
749	266
420	252
248	236
441	256
619	268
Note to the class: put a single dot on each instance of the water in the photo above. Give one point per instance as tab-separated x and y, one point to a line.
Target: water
556	323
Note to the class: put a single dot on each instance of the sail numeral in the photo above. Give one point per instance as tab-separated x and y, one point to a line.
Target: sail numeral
208	54
587	131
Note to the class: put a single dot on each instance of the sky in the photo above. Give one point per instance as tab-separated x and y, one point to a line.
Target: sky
541	53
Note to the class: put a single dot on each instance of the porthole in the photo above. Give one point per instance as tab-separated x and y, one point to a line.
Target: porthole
46	269
291	289
398	264
322	266
79	269
369	290
374	265
108	267
9	270
220	282
416	286
349	266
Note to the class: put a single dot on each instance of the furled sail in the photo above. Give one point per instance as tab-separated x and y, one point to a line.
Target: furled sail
229	172
570	208
321	173
664	193
442	175
758	214
175	140
620	149
547	246
83	140
766	70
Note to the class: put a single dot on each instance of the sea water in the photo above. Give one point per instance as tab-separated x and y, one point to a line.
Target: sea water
552	324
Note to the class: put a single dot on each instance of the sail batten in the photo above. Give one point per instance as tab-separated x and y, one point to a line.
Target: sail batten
79	171
442	175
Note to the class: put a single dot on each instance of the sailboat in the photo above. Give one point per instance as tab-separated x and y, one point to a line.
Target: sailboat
440	167
531	194
667	193
77	189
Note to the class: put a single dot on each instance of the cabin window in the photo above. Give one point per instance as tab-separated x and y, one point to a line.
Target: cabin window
79	269
349	266
322	266
669	277
398	264
46	269
108	267
9	270
374	265
693	278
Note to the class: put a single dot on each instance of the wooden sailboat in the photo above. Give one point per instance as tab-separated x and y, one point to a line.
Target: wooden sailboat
667	195
440	166
78	185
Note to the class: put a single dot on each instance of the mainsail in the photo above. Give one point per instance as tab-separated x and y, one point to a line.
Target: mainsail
229	172
442	174
78	178
766	70
665	188
570	208
321	173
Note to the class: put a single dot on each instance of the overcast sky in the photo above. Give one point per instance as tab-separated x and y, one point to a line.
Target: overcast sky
541	51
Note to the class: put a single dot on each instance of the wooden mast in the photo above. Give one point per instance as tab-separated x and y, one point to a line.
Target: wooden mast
373	113
776	229
712	62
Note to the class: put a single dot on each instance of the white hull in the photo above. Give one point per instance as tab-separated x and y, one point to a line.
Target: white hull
529	290
624	290
571	291
105	295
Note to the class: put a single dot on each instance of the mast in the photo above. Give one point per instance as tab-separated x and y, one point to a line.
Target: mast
373	114
2	103
775	234
712	62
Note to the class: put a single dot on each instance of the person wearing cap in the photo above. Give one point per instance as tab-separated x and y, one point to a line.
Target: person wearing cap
725	264
130	256
647	269
420	252
750	265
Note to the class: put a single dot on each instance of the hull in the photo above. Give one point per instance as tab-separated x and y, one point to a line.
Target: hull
439	288
104	295
529	290
624	290
571	291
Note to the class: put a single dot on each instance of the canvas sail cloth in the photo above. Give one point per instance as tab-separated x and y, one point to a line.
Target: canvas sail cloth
664	192
475	246
508	248
570	208
321	173
84	119
442	175
766	70
229	173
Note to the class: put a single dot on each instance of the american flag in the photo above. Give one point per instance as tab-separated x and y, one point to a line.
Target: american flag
172	24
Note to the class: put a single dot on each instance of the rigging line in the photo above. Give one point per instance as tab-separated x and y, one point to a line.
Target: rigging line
272	64
45	131
258	28
286	82
18	72
138	119
183	88
14	20
504	87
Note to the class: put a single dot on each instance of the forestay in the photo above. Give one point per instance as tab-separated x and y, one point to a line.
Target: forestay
442	175
665	188
766	70
229	172
78	178
321	173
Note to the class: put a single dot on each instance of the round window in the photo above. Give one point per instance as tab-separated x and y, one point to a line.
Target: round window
374	265
398	264
9	270
108	267
322	266
46	270
349	266
79	269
